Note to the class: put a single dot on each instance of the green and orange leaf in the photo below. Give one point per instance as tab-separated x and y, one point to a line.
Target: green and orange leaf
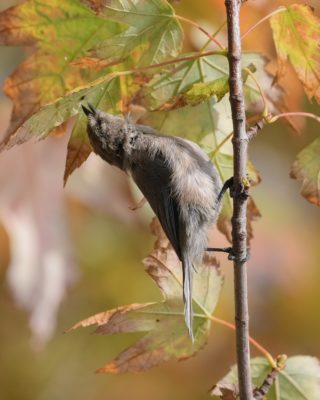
165	335
296	34
52	28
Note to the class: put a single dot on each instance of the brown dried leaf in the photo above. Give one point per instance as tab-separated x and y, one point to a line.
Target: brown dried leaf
226	391
78	151
166	336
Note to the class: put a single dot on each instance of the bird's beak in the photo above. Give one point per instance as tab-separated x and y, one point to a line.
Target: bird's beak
89	111
86	110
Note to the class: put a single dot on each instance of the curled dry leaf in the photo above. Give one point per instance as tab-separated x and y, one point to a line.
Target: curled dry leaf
306	169
165	335
226	391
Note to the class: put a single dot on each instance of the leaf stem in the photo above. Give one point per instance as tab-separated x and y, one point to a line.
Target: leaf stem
222	143
275	118
240	196
254	343
265	18
211	37
219	29
173	61
263	96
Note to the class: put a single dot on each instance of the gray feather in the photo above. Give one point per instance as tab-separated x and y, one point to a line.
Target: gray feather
176	177
187	271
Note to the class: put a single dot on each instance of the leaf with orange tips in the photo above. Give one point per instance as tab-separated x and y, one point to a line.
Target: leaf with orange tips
296	34
49	73
165	334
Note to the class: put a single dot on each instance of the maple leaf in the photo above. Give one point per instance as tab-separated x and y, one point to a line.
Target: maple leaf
306	169
296	34
49	72
52	71
298	380
166	336
152	34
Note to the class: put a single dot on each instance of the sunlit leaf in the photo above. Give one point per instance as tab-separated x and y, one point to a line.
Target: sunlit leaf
299	380
152	34
296	33
53	29
39	125
166	336
202	91
306	169
209	117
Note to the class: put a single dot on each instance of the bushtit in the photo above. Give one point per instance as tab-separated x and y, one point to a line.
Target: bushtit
177	178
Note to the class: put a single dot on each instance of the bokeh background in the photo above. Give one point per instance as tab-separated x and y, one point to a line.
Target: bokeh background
67	253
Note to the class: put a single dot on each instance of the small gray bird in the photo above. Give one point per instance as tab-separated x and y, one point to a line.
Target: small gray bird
177	178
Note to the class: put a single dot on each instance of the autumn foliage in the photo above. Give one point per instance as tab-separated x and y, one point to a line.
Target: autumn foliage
124	56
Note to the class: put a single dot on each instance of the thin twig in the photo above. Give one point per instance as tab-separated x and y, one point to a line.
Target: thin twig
277	11
261	392
218	30
240	195
263	96
189	21
170	62
254	342
253	130
221	144
274	118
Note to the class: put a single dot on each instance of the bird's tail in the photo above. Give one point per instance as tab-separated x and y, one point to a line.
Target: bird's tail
187	271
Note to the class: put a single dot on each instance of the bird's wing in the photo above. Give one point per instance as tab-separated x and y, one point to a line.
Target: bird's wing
153	179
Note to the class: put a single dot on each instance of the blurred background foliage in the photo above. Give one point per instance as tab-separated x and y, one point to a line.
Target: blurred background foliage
88	234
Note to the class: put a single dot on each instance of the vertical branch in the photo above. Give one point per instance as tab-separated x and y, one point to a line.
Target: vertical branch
240	195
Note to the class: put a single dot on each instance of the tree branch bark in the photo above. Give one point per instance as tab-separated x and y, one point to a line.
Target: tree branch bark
240	195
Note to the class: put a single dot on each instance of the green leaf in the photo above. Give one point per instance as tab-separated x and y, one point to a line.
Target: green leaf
296	34
299	380
166	336
208	117
199	92
202	91
306	169
52	115
152	35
